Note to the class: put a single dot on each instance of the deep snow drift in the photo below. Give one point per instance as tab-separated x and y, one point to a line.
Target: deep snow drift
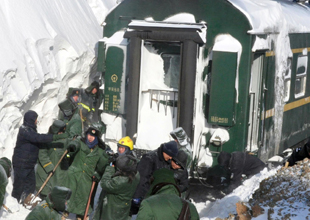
47	47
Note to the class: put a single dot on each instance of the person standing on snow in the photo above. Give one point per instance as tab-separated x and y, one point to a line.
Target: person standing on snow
52	206
90	103
124	148
118	186
86	100
239	163
165	203
49	157
88	165
154	160
93	92
26	154
5	173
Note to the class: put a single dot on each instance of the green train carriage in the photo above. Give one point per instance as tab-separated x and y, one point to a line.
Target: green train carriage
231	80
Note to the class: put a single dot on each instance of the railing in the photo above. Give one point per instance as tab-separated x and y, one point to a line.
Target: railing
155	96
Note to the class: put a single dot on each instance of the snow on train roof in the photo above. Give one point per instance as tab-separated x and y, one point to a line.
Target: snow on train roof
272	16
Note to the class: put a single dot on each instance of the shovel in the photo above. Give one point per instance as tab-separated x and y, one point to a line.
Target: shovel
7	209
89	199
30	201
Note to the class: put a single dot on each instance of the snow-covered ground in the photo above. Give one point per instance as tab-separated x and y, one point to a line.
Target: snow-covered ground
48	46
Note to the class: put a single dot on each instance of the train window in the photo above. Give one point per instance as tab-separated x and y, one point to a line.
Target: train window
301	76
287	80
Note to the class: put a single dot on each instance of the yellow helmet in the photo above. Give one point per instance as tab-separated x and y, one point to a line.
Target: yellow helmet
126	142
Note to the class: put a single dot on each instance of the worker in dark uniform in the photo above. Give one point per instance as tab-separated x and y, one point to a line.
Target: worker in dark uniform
299	154
239	163
178	164
154	160
26	154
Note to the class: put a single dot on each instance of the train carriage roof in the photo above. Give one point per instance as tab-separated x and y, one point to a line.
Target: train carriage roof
269	16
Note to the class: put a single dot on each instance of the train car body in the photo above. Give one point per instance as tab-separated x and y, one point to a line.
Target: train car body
232	73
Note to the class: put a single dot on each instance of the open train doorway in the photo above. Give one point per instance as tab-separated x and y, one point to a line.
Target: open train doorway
161	68
159	86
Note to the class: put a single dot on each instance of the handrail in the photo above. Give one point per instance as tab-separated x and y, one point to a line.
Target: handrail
158	92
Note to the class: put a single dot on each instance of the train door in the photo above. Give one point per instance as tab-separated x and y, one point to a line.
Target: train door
255	102
161	64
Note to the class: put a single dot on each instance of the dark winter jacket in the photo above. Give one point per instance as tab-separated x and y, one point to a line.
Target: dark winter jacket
298	154
117	197
165	205
149	162
29	142
86	163
240	163
181	175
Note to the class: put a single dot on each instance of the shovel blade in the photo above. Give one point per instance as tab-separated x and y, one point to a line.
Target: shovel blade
31	201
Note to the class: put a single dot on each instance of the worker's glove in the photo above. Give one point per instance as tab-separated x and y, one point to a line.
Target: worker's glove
135	205
65	163
96	177
112	159
57	137
71	148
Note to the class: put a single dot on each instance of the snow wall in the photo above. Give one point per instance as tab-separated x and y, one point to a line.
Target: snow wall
47	47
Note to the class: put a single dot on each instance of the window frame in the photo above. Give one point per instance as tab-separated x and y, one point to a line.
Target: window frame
302	60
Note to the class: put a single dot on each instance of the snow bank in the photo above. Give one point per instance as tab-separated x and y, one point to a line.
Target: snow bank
46	47
223	207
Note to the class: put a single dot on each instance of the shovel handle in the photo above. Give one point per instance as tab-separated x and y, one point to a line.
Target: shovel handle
89	199
9	210
286	165
50	175
81	115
